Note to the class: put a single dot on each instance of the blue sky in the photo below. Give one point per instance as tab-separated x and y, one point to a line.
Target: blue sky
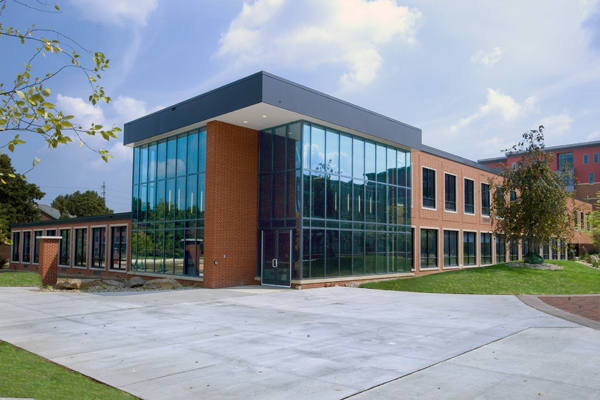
472	75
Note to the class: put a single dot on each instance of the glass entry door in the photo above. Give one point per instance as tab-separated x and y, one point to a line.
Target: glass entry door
276	258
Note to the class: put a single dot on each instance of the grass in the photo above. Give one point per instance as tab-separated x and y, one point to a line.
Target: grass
20	279
27	375
574	278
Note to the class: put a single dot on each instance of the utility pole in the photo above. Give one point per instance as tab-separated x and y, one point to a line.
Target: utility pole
104	190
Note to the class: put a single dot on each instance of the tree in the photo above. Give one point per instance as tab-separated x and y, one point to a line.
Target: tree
542	210
594	220
85	204
24	105
17	199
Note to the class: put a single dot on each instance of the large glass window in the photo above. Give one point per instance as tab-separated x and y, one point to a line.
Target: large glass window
81	247
486	248
450	248
563	250
16	247
98	247
26	255
591	177
586	159
429	248
428	188
469	196
565	159
500	250
36	246
554	250
485	199
450	192
596	158
469	248
65	247
514	251
546	251
118	247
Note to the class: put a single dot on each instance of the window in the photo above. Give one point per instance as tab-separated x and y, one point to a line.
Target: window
26	247
582	221
450	248
514	165
50	232
428	248
64	245
486	248
586	159
588	222
80	247
450	192
546	251
428	188
36	246
16	239
565	159
554	250
118	247
485	199
469	196
591	177
595	158
500	250
563	250
98	247
514	251
525	247
469	250
513	196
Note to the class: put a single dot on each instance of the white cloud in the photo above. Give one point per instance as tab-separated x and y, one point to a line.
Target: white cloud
117	11
84	112
313	33
499	106
594	136
487	59
128	109
556	125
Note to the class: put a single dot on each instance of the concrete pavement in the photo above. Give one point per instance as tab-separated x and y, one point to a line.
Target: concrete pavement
328	343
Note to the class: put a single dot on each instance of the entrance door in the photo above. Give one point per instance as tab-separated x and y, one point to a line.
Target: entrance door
276	258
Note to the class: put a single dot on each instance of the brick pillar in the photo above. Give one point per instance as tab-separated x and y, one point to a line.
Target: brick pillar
231	223
48	267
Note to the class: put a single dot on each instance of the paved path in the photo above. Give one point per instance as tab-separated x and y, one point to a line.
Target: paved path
329	343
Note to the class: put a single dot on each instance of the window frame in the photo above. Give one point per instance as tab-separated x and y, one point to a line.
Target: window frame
423	198
437	245
451	266
474	256
485	211
16	246
472	194
497	241
87	241
91	248
596	158
110	252
446	209
586	159
60	244
23	232
36	245
489	258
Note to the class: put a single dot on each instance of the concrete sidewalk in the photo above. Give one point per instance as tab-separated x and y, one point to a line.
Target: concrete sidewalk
329	343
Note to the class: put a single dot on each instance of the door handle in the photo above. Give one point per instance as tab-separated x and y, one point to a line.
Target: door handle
274	263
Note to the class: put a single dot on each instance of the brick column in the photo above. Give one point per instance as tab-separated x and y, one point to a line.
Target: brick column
48	267
231	205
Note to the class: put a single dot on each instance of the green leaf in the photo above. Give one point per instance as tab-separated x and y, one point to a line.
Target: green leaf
21	94
57	7
46	92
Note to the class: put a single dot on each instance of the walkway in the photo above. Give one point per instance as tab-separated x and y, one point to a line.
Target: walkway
329	343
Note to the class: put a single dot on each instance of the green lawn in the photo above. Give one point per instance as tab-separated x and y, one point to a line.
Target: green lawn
20	279
27	375
574	278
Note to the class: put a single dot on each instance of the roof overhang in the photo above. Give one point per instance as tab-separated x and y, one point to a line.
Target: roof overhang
262	101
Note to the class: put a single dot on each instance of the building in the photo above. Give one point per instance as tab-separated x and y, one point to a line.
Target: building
267	181
582	159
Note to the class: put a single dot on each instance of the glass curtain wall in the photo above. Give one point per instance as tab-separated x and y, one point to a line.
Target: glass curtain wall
346	199
169	178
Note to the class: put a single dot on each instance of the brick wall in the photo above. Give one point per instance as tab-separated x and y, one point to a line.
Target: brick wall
48	267
230	233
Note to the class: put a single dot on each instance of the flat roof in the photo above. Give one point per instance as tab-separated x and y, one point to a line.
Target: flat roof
458	159
553	149
263	100
71	221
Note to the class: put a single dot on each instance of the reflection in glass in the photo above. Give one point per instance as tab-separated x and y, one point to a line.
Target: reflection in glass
358	263
180	201
317	264
202	151
345	155
171	157
333	197
370	161
192	156
358	159
332	253
152	157
170	200
318	195
370	252
192	196
161	165
371	201
151	201
144	164
201	196
317	149
391	166
401	160
346	199
381	204
136	165
381	164
279	141
333	155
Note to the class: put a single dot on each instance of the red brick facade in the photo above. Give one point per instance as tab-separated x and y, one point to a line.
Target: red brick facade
230	231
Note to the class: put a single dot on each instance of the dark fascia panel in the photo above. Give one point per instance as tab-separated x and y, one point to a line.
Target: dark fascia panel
492	160
263	87
71	221
458	159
